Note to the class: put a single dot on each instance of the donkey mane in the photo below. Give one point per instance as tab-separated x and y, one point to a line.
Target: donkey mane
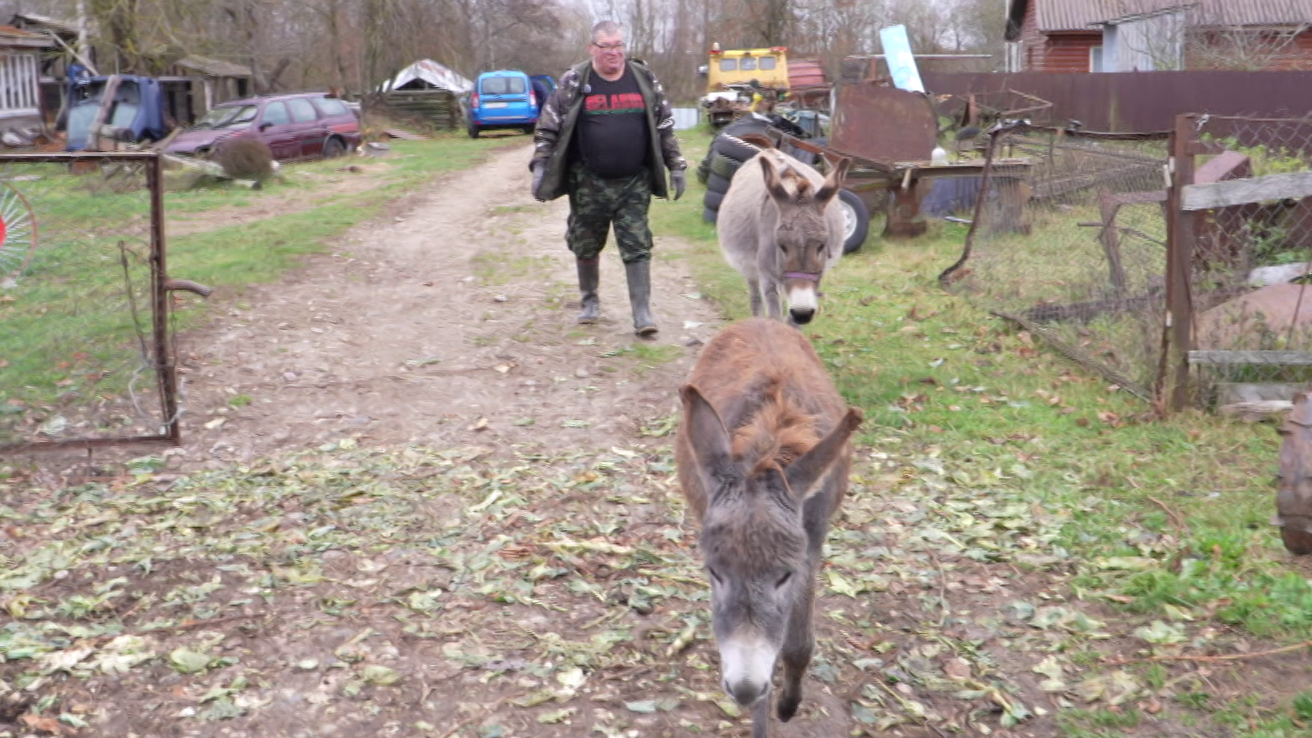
776	434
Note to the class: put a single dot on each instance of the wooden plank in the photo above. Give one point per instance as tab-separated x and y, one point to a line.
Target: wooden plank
1233	358
1295	186
404	135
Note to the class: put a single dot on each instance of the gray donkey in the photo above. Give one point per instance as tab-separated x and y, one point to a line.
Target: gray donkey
781	226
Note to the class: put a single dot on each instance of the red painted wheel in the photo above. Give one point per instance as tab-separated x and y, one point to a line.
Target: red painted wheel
17	232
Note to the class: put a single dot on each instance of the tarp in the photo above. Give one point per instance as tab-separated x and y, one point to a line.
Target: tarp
430	72
901	63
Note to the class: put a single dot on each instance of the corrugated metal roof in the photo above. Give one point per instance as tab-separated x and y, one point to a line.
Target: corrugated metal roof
1084	15
56	24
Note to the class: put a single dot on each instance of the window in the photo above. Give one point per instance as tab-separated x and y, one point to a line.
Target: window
748	64
276	113
18	86
768	62
504	86
1095	59
332	106
303	110
728	65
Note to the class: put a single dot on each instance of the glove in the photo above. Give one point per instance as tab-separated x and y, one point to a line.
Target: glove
679	179
539	171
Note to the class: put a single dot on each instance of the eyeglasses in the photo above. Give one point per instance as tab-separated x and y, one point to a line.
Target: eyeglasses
610	47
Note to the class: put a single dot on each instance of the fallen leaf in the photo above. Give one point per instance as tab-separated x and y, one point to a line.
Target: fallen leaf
45	724
188	662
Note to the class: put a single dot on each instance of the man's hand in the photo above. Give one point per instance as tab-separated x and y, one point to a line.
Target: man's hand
679	179
539	171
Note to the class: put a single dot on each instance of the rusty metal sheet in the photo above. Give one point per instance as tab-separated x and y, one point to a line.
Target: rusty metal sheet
883	124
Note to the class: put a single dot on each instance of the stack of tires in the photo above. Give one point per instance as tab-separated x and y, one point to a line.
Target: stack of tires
728	152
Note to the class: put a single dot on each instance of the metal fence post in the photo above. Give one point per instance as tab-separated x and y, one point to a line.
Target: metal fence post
160	301
1179	258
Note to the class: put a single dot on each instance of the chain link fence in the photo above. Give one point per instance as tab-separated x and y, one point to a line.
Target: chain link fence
1250	218
1069	240
83	360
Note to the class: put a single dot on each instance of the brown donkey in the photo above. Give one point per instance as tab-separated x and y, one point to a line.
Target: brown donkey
763	458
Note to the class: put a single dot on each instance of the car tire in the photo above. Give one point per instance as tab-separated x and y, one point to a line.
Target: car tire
530	129
857	218
724	166
709	215
734	149
473	131
716	183
333	148
712	200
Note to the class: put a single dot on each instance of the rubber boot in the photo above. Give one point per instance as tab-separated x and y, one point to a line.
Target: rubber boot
589	280
639	275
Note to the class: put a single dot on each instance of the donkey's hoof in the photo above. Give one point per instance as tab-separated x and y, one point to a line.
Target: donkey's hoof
787	706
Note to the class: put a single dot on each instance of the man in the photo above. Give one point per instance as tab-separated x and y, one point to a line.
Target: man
605	138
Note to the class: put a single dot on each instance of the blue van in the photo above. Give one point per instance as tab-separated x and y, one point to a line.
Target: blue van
503	99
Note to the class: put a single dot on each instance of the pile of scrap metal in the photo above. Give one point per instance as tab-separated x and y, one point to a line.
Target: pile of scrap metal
117	112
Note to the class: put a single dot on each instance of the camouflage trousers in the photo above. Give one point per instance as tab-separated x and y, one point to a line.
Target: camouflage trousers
595	204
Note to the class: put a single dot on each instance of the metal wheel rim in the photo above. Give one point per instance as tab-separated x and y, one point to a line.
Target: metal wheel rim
849	220
18	237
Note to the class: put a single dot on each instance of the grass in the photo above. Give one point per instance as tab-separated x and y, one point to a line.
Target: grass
73	329
1169	516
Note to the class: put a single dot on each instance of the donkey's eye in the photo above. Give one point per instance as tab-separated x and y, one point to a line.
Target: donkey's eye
783	579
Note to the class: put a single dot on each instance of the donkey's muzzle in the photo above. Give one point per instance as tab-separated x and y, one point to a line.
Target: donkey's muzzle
801	316
747	692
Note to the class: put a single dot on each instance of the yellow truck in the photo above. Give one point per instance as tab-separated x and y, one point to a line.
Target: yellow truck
735	76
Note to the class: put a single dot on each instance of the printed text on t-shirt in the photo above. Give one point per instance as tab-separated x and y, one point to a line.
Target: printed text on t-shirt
626	102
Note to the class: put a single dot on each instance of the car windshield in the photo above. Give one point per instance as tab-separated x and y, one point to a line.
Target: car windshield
229	116
503	86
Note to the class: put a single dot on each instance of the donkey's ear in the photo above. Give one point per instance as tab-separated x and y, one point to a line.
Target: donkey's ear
706	434
807	470
773	182
833	182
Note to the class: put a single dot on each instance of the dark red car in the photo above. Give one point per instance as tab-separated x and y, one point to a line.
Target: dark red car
301	126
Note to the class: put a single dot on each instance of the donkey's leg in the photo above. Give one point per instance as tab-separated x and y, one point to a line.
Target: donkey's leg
754	287
761	718
772	300
799	644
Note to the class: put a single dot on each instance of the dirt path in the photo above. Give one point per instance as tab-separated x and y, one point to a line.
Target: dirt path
451	325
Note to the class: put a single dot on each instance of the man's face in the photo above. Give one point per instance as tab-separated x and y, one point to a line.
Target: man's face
607	53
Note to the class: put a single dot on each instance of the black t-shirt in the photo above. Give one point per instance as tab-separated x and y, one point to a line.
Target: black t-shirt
612	130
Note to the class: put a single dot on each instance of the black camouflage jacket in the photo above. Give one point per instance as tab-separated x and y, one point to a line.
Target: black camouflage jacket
560	114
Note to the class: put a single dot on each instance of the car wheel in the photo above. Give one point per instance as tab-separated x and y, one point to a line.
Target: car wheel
529	129
473	131
856	220
333	148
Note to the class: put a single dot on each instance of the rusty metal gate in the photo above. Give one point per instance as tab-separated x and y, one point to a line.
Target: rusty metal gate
86	357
